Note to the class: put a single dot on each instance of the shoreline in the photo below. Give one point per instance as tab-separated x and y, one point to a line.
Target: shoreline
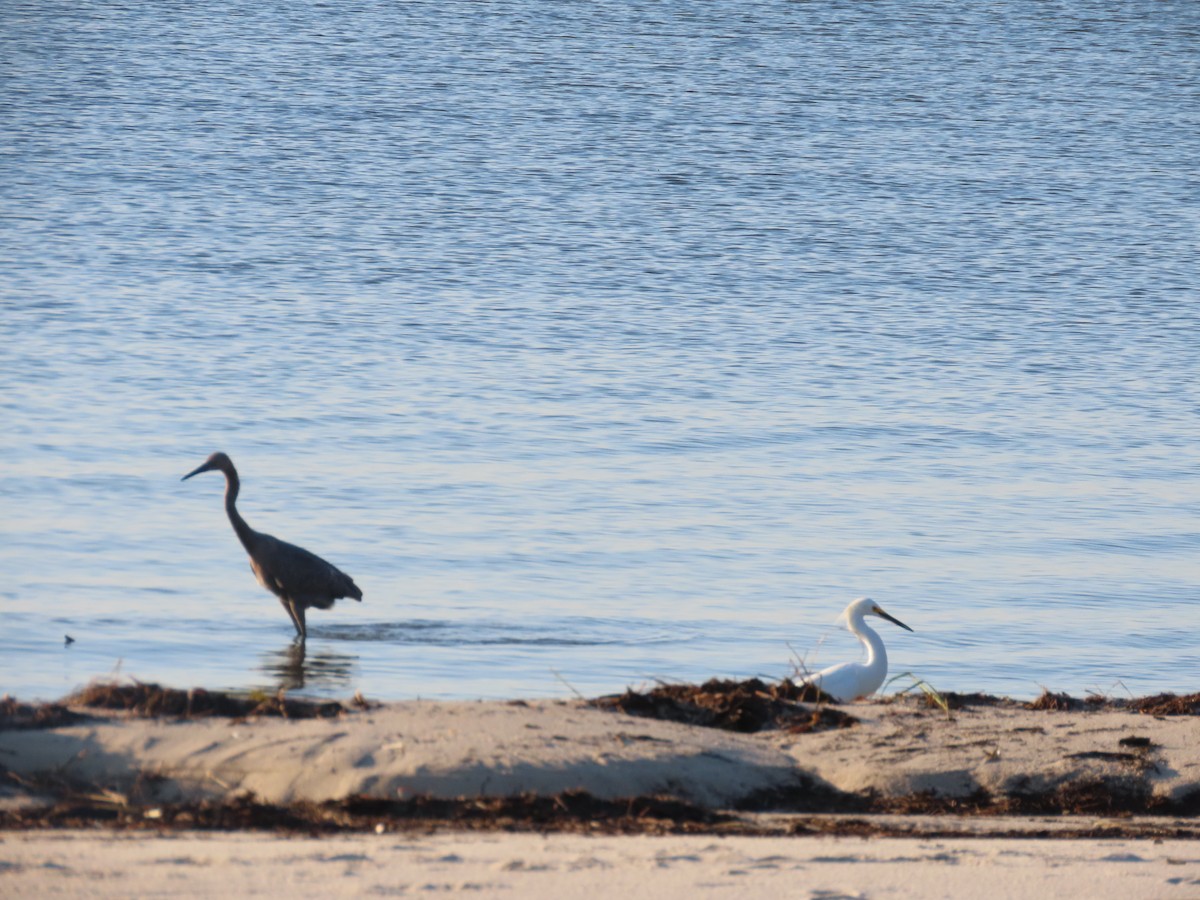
201	793
698	757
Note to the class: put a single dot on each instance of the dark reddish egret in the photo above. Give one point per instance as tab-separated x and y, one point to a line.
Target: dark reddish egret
298	578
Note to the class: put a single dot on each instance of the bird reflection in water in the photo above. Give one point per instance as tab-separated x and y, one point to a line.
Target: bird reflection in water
293	668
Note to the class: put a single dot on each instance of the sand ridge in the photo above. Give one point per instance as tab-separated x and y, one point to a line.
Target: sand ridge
895	750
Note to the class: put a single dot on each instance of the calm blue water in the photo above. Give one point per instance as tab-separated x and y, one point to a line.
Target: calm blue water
601	343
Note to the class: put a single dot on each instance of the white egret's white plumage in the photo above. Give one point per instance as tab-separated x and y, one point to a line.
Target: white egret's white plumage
849	680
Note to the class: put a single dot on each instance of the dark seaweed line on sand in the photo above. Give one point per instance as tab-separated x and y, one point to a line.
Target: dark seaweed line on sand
742	706
578	812
154	701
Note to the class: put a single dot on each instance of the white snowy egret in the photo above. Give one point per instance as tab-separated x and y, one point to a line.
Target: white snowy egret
849	680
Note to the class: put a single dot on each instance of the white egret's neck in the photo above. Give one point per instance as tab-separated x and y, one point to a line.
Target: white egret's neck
876	654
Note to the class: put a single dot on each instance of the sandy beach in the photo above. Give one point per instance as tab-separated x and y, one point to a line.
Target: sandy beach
575	798
566	866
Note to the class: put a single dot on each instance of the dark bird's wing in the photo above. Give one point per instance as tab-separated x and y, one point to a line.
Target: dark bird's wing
291	571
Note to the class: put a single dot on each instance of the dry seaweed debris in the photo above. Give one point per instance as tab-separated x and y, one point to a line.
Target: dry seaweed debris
955	700
1052	701
743	706
1086	797
570	811
579	812
940	828
150	700
1167	705
1154	705
15	715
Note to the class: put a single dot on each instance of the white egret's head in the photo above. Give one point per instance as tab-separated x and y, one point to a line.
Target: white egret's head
865	606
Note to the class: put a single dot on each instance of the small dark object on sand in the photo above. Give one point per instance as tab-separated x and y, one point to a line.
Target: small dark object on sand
1136	741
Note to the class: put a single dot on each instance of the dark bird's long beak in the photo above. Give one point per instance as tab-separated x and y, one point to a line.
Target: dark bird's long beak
204	468
879	612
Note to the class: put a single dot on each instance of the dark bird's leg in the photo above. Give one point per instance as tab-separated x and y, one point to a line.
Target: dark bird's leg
297	610
296	613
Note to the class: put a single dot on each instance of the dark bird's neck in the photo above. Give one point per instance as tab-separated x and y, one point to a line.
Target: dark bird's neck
233	484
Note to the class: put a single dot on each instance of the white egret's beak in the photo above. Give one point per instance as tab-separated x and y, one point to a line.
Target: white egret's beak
879	612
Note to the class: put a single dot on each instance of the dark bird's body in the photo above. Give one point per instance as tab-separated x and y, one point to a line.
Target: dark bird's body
300	579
